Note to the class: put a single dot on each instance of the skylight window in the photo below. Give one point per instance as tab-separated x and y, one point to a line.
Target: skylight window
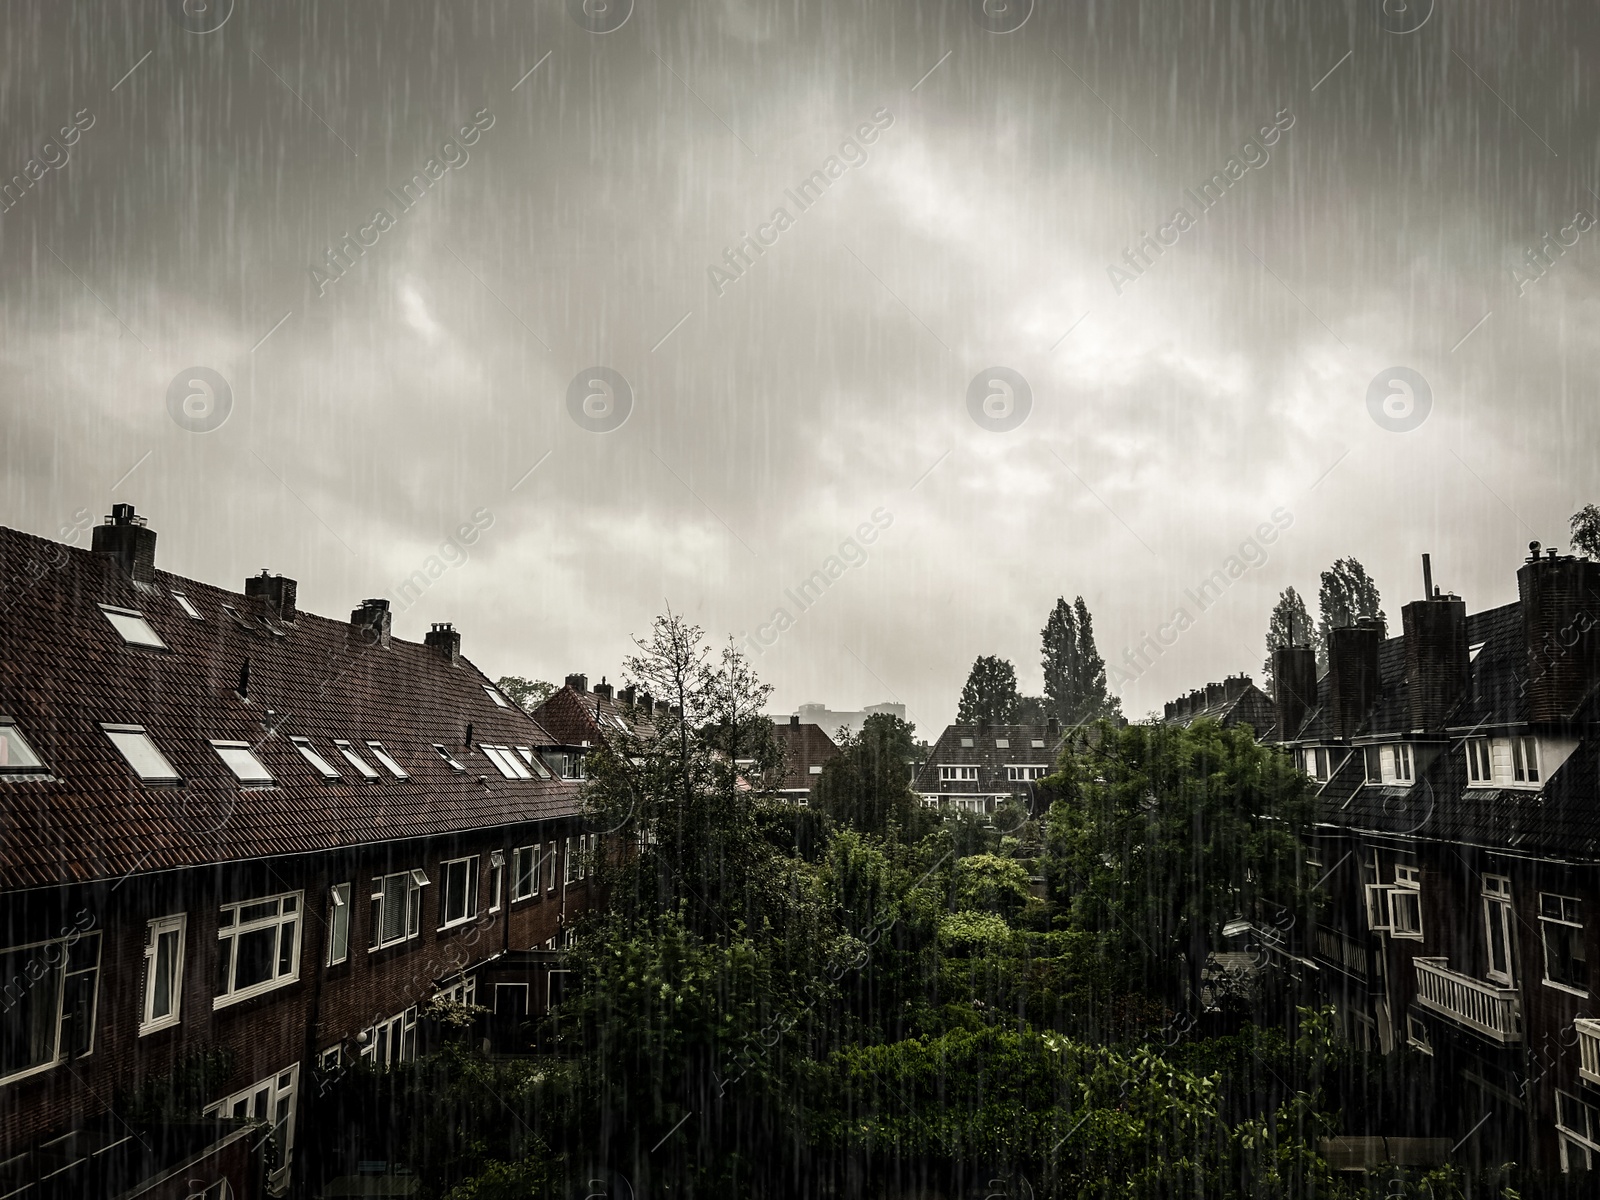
497	697
506	762
16	756
148	763
189	609
241	760
448	757
1002	743
532	760
355	760
318	764
135	630
1038	743
387	759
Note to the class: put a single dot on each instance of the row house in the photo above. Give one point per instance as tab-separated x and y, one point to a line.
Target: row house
579	720
1457	852
806	750
976	768
1233	702
232	828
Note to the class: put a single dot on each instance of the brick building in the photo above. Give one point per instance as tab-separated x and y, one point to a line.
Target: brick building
974	768
1457	852
228	824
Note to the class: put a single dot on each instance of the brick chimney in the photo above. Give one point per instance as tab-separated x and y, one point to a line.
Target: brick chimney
1172	709
275	593
1353	683
1294	688
126	538
603	688
1052	725
1235	686
627	695
1560	597
794	720
373	620
1438	670
578	683
1216	693
443	637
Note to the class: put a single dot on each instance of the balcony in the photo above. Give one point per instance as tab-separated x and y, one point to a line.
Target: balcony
1588	1031
1342	951
1495	1012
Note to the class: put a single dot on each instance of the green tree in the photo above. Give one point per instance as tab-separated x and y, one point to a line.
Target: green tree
1586	531
527	693
868	786
990	693
991	884
1290	625
1161	834
1347	594
1074	672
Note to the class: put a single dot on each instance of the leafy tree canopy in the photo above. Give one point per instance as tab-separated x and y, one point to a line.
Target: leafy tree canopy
990	694
1290	625
1074	672
1586	531
527	693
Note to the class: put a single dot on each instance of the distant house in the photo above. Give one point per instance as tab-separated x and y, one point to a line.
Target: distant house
230	824
579	720
974	768
806	748
1234	701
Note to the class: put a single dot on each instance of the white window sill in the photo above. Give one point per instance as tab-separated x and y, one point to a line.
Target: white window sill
1407	937
31	1071
410	937
458	922
158	1026
1564	987
250	993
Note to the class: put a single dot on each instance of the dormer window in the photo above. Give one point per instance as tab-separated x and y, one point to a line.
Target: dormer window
355	760
135	630
1315	762
16	756
241	760
1525	759
318	764
189	610
148	763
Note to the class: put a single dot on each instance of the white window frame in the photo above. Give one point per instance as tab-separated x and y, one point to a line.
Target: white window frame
505	761
1570	909
155	929
1025	773
290	912
111	612
414	881
388	760
1002	743
398	1035
553	856
341	914
966	743
567	867
1497	895
278	1092
1036	743
16	735
189	610
60	970
470	872
315	760
463	991
363	768
497	879
528	855
1407	887
450	759
1588	1138
1417	1035
1405	762
264	779
1525	763
499	700
172	780
957	773
532	759
1480	762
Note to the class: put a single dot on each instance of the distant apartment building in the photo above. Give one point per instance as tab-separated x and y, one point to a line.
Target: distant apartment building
830	720
1456	769
976	768
232	825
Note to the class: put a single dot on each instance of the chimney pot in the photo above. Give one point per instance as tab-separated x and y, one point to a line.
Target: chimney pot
127	539
794	720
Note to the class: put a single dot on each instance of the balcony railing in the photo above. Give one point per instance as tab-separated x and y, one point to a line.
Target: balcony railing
1343	952
1588	1031
1495	1012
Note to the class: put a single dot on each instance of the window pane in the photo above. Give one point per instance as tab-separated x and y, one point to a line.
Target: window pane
394	907
28	1027
244	764
161	974
258	912
135	630
148	763
224	965
356	761
15	753
255	955
318	764
339	924
383	756
286	947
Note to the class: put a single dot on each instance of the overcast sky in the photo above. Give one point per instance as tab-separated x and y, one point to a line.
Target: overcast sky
772	414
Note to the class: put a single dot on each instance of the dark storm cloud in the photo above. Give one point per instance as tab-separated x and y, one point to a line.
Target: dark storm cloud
374	415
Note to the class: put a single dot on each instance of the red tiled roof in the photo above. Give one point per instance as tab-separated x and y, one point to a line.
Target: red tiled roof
574	718
64	670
